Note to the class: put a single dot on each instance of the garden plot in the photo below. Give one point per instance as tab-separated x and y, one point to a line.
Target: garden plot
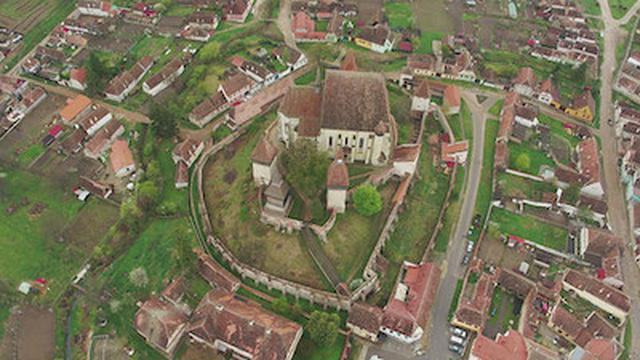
504	313
530	228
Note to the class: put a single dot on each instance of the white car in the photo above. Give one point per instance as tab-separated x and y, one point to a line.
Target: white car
456	340
459	332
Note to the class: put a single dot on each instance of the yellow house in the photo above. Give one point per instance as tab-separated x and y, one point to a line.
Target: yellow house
583	107
375	38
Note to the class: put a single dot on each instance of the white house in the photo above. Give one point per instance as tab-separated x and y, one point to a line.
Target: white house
350	112
120	86
376	38
290	57
263	162
421	99
121	158
160	81
405	159
95	120
599	294
94	8
187	151
525	83
526	115
337	184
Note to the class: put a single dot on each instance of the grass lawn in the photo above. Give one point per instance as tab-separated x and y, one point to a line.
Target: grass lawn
29	243
503	312
483	199
179	10
516	186
620	7
425	43
172	198
628	339
307	78
349	243
400	105
152	251
590	7
418	220
30	154
531	229
467	124
557	128
233	206
59	10
523	157
451	216
496	108
308	350
456	298
399	13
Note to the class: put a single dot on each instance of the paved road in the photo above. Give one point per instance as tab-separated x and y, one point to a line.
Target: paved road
453	269
618	215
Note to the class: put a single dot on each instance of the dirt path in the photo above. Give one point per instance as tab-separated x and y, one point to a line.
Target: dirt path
284	23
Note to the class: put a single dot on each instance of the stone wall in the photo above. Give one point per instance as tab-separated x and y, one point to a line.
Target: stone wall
281	223
322	230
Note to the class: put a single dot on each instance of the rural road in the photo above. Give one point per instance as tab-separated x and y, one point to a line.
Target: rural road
452	267
618	215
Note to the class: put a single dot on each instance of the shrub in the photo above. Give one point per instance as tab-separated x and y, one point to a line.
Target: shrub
367	200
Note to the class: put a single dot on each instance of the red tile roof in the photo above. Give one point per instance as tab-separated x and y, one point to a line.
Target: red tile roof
349	62
451	96
74	107
264	153
511	346
411	301
159	321
526	77
304	103
215	274
366	317
598	289
338	174
407	152
121	156
588	160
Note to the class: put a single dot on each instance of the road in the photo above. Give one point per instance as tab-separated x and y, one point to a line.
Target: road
618	215
452	267
284	23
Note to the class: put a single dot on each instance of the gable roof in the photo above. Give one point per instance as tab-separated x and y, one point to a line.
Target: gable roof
526	77
510	346
121	156
422	90
365	316
215	274
349	62
598	289
221	316
159	322
588	160
235	83
264	153
92	118
338	174
187	149
74	107
376	34
169	69
451	96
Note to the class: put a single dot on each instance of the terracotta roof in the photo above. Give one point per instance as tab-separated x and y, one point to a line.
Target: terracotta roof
338	174
568	176
93	118
349	62
515	283
159	322
74	107
526	77
407	152
220	316
566	322
187	149
78	74
264	153
118	84
102	137
215	274
451	96
304	103
376	34
175	290
598	289
422	90
601	349
95	187
302	22
588	160
121	156
73	141
410	304
511	346
288	54
448	150
167	71
235	83
401	192
182	173
584	100
354	100
421	62
209	105
502	154
366	317
526	111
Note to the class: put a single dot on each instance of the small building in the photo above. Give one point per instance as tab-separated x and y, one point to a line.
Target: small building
376	38
278	201
236	87
182	175
451	100
601	295
160	81
525	83
410	304
187	151
421	99
95	120
548	93
583	107
121	158
103	139
405	159
526	115
120	86
217	276
161	324
263	162
78	79
75	108
337	184
589	167
237	10
510	346
349	62
454	153
94	8
290	57
208	109
242	329
365	320
95	187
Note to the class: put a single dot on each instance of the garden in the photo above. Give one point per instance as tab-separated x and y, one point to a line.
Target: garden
504	313
530	228
526	158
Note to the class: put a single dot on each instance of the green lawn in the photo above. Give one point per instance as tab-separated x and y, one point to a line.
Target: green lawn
425	42
173	200
349	243
483	198
401	110
590	7
399	13
456	298
445	235
531	229
59	10
557	127
417	222
496	108
523	157
503	305
627	341
516	186
467	123
308	350
308	77
620	7
30	154
28	243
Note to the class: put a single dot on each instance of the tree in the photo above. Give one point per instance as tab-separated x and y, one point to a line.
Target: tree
305	168
163	121
148	195
367	200
138	277
323	328
130	215
523	162
153	172
97	74
209	52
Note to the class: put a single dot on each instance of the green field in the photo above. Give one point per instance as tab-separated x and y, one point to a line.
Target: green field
399	13
307	78
620	7
524	158
496	108
59	10
557	127
425	42
400	105
308	350
417	222
483	199
519	187
529	228
445	235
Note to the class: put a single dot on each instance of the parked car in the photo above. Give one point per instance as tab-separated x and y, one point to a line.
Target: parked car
466	258
456	349
469	246
459	332
456	340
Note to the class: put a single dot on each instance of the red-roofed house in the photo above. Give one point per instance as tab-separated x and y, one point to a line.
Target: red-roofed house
237	10
454	153
606	297
121	159
408	309
589	167
78	78
365	320
263	162
161	324
337	184
451	100
187	151
405	159
511	346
